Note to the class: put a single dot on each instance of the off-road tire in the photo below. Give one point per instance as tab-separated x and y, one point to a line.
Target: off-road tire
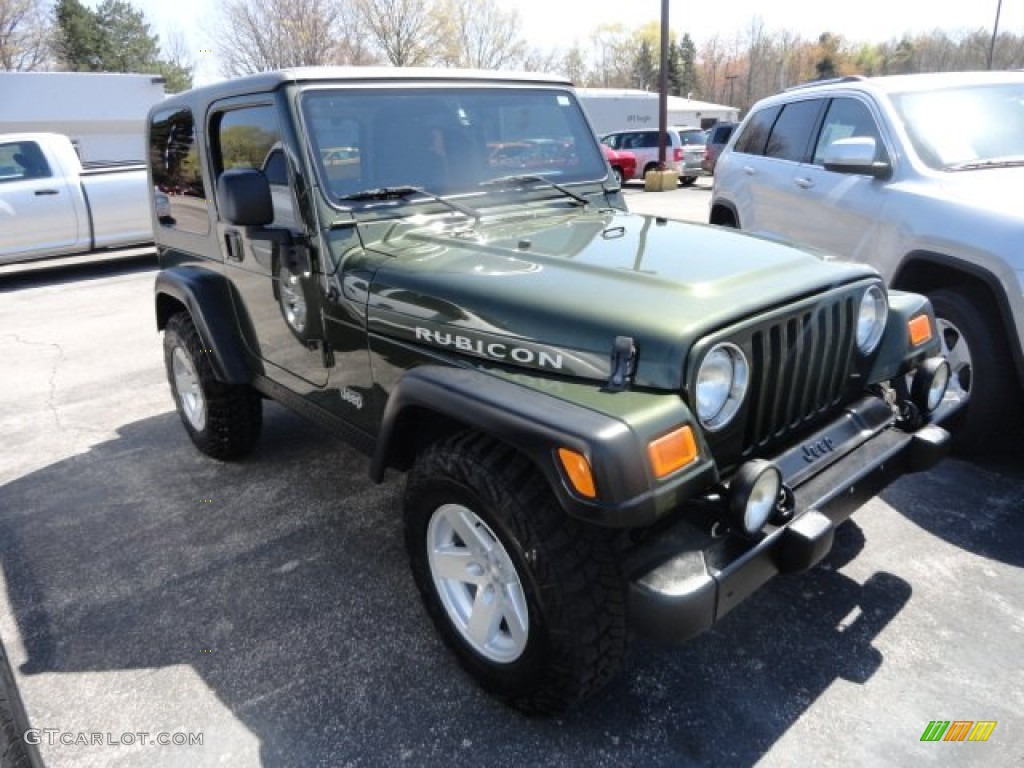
992	385
15	752
233	413
568	571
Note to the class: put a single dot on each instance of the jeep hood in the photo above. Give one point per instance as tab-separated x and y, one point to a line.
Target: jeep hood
553	292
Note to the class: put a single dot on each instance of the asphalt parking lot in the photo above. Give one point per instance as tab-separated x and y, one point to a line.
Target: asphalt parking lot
267	605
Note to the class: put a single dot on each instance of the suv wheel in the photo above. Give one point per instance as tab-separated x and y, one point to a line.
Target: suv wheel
970	335
530	600
223	420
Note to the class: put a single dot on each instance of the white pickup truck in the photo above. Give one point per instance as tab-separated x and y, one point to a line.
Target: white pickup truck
50	205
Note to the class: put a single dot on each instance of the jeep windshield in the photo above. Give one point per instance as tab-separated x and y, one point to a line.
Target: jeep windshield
450	141
966	128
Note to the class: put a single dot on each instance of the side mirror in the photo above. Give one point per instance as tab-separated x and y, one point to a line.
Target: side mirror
856	155
245	199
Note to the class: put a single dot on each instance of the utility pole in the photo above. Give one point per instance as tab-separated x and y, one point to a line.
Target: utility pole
732	79
663	86
995	31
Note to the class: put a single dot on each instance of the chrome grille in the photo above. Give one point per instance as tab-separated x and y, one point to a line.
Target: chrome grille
799	368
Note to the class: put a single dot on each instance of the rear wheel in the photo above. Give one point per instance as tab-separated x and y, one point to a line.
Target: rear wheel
223	420
530	600
973	341
617	172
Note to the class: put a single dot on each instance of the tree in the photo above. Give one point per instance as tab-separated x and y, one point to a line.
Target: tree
113	38
689	82
24	35
403	30
257	35
645	72
477	33
77	37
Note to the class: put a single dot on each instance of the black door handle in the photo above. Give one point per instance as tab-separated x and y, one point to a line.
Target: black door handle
47	192
233	245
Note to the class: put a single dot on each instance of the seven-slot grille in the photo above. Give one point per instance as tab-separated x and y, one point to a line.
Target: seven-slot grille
799	369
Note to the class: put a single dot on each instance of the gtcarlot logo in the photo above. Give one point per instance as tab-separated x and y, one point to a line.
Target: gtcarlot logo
53	736
958	730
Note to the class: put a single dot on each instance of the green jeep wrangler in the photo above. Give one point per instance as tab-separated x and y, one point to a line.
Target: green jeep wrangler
609	422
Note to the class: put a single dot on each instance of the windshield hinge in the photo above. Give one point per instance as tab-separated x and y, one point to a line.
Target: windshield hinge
623	364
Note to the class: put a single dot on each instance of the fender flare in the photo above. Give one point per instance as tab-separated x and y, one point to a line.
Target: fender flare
206	296
534	423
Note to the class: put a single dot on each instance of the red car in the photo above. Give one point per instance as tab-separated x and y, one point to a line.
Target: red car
623	163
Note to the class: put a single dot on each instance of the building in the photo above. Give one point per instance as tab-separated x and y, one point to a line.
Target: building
617	109
103	114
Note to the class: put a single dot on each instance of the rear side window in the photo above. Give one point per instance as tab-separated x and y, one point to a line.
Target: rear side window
792	132
755	135
174	158
22	160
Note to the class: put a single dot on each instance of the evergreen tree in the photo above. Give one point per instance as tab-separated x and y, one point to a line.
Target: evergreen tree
113	38
689	82
645	74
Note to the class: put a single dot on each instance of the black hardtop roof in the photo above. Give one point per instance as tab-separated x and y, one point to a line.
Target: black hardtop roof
264	82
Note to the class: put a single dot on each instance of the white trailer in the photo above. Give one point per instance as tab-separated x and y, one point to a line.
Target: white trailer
103	114
616	109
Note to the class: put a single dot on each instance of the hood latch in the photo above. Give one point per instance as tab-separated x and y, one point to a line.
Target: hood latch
623	364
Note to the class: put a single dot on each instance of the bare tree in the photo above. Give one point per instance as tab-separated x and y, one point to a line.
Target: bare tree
24	35
403	30
257	35
477	33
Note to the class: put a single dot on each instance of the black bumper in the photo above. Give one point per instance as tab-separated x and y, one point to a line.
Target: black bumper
685	580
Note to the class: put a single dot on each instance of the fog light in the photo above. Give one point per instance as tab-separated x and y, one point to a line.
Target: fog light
930	384
752	494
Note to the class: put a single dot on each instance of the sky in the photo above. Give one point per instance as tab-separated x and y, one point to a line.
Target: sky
548	24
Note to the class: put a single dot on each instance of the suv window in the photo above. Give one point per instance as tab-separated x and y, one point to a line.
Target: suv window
720	133
174	158
692	136
754	137
847	118
792	132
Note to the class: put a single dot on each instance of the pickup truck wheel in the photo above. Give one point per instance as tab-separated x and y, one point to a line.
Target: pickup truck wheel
970	336
530	600
223	420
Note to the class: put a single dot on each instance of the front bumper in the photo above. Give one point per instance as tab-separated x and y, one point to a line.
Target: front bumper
689	577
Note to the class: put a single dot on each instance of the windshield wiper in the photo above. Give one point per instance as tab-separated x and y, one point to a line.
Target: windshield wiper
527	177
996	162
400	193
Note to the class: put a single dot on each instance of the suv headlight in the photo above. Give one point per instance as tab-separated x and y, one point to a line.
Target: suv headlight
871	317
722	381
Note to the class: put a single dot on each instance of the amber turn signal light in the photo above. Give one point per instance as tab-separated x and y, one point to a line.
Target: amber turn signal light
920	330
673	451
578	469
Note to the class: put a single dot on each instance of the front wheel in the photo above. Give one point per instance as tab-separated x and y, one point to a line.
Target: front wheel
530	600
223	420
972	341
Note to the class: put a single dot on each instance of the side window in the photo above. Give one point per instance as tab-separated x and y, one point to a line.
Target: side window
792	131
611	141
174	158
249	137
847	118
22	160
755	135
650	140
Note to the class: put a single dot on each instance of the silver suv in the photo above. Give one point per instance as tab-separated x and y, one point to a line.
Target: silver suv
919	176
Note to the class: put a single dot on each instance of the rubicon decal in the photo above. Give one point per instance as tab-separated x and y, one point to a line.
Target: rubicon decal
495	350
958	730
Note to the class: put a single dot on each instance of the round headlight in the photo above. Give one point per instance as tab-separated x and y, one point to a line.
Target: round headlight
721	384
753	493
871	319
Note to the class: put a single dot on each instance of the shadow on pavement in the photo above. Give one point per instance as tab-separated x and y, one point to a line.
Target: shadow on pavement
282	581
989	525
